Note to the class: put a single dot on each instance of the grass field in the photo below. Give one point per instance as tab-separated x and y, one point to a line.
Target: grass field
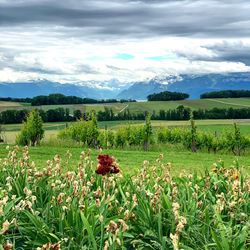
80	212
130	161
140	106
192	104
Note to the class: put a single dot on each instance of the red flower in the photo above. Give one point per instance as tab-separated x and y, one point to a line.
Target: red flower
106	165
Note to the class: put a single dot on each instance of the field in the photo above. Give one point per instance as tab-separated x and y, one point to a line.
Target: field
61	200
60	196
141	106
10	131
192	104
130	160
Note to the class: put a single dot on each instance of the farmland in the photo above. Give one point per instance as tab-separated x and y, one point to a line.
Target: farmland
141	106
11	130
129	159
165	198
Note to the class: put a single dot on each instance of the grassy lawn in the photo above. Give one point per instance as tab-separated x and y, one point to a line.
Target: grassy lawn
192	104
238	101
129	161
46	126
140	106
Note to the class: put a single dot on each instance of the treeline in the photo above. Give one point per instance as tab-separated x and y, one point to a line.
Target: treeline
167	96
56	99
13	99
51	115
226	94
180	113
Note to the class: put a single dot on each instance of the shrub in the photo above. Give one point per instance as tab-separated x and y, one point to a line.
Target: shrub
32	131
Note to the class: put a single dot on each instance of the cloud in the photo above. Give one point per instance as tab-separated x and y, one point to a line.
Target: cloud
108	18
224	51
125	39
234	52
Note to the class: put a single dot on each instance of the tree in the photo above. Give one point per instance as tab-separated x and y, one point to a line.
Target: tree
77	114
148	133
32	131
193	133
1	129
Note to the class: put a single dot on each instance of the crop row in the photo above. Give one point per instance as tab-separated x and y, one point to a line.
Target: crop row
142	136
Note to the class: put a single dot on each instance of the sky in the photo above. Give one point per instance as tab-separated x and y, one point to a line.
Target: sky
129	40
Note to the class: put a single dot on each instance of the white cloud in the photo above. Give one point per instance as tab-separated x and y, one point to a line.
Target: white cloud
70	60
8	75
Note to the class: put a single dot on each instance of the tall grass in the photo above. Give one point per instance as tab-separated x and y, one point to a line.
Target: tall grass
50	208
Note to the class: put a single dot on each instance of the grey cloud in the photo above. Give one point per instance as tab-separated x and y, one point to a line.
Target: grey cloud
85	68
220	52
235	52
131	18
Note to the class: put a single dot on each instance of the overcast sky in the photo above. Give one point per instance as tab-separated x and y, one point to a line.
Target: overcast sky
74	40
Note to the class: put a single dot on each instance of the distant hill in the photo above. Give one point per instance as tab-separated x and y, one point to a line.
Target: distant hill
194	85
44	87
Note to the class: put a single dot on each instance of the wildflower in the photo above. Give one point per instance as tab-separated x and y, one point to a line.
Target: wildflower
215	170
8	246
243	215
112	226
236	176
118	241
175	239
101	218
98	202
5	227
194	195
199	205
106	247
106	165
124	225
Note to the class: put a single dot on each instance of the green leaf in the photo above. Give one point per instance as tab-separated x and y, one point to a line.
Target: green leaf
89	230
216	240
240	246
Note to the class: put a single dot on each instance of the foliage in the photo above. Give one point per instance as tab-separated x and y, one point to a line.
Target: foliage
78	209
32	131
90	135
226	94
167	96
180	113
228	141
1	130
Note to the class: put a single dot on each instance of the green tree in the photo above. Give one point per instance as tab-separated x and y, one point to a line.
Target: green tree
193	133
32	131
148	133
1	129
93	131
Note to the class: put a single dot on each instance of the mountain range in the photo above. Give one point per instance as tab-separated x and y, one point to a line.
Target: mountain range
192	84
